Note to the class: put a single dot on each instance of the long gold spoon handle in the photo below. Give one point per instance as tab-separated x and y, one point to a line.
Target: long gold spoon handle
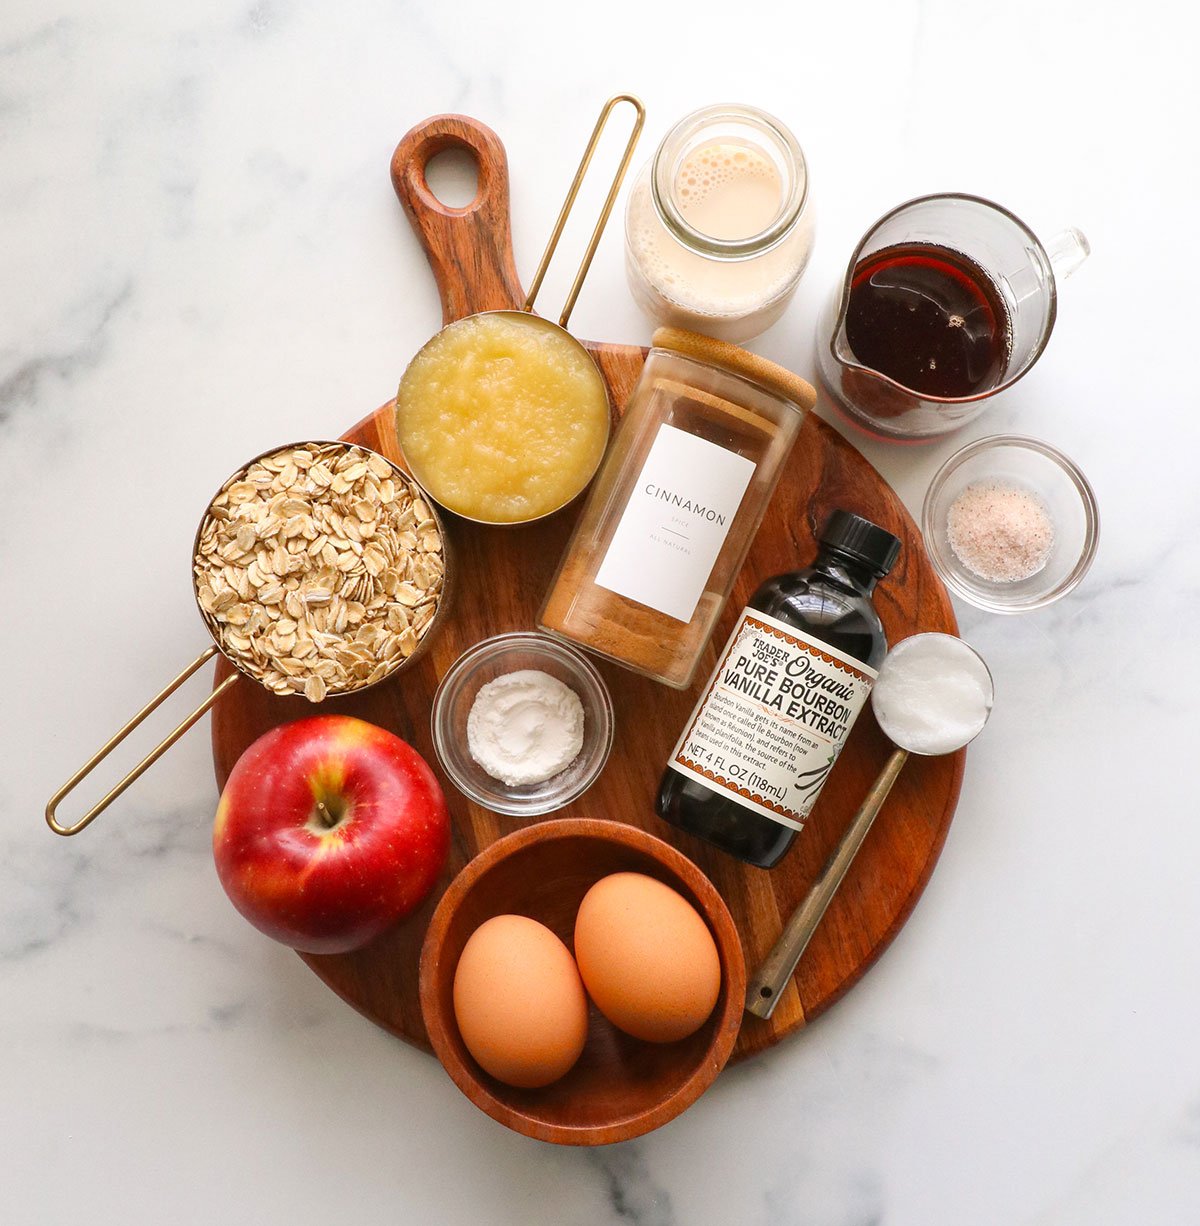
764	988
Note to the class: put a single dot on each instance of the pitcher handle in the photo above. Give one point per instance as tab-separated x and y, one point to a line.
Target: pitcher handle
149	760
1067	250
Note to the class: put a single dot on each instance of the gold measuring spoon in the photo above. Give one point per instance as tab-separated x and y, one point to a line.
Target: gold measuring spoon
902	667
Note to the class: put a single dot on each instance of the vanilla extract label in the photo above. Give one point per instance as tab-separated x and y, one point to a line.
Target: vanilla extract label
774	718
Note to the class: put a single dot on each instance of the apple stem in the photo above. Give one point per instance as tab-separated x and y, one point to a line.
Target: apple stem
327	816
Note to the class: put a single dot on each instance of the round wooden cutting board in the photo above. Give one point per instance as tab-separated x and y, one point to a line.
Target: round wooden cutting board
500	576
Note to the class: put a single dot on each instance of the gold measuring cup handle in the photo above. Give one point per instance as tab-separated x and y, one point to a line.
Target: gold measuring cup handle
149	760
765	986
605	212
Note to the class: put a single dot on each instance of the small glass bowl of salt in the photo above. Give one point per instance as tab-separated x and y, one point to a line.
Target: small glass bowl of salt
1011	524
522	724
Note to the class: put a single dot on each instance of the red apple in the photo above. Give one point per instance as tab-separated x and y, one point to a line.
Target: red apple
329	830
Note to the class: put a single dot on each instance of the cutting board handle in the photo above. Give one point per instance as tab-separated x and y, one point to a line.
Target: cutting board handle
469	249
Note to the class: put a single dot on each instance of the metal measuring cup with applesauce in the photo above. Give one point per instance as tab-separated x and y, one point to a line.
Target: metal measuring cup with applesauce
502	416
318	568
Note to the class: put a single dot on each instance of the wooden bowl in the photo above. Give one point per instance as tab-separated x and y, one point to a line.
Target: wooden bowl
621	1087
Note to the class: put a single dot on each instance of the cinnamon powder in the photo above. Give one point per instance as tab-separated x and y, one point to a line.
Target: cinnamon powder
630	633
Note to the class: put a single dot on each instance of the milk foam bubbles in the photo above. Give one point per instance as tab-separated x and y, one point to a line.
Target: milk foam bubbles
728	189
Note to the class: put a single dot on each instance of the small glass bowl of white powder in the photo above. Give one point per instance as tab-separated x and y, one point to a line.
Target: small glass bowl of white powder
522	724
1011	524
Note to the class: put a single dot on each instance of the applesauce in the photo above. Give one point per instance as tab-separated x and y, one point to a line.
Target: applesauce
502	417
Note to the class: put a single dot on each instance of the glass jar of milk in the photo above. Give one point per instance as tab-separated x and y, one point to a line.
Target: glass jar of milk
720	224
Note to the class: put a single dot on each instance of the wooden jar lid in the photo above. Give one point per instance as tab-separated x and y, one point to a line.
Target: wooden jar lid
740	361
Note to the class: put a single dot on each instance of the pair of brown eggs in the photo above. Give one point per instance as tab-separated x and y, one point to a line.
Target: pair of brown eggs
643	955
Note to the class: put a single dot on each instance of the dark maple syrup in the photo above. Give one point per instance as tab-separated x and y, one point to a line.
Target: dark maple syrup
929	318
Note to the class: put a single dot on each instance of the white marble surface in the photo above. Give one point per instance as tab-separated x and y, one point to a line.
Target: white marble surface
201	256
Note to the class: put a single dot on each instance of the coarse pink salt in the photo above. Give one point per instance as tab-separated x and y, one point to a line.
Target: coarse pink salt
1000	532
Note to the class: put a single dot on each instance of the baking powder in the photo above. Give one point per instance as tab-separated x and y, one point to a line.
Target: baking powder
525	727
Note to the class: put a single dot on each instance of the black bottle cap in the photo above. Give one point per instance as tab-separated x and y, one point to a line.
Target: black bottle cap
862	540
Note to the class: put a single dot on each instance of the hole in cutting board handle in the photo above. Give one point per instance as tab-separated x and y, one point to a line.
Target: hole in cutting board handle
453	177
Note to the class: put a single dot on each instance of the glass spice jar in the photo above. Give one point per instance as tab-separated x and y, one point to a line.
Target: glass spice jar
720	224
670	518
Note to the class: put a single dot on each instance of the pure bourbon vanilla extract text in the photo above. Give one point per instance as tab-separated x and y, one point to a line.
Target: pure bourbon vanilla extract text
786	691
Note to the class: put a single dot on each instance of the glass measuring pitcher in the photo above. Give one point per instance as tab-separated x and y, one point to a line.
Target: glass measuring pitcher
947	301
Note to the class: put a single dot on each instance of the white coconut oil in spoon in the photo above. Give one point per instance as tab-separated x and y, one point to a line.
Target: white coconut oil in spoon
933	694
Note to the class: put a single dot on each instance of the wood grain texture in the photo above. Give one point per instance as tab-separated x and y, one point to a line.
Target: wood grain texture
621	1087
501	575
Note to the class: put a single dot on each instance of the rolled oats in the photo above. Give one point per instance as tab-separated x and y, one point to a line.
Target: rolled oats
319	570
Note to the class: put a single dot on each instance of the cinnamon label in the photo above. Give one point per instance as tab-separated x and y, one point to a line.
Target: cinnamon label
774	718
675	522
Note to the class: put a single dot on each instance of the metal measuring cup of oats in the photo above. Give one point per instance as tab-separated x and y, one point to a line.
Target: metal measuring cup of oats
319	569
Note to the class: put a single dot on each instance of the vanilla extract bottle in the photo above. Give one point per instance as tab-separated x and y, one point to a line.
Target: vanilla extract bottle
786	691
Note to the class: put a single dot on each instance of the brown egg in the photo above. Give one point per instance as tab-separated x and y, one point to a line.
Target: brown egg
519	1002
647	957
